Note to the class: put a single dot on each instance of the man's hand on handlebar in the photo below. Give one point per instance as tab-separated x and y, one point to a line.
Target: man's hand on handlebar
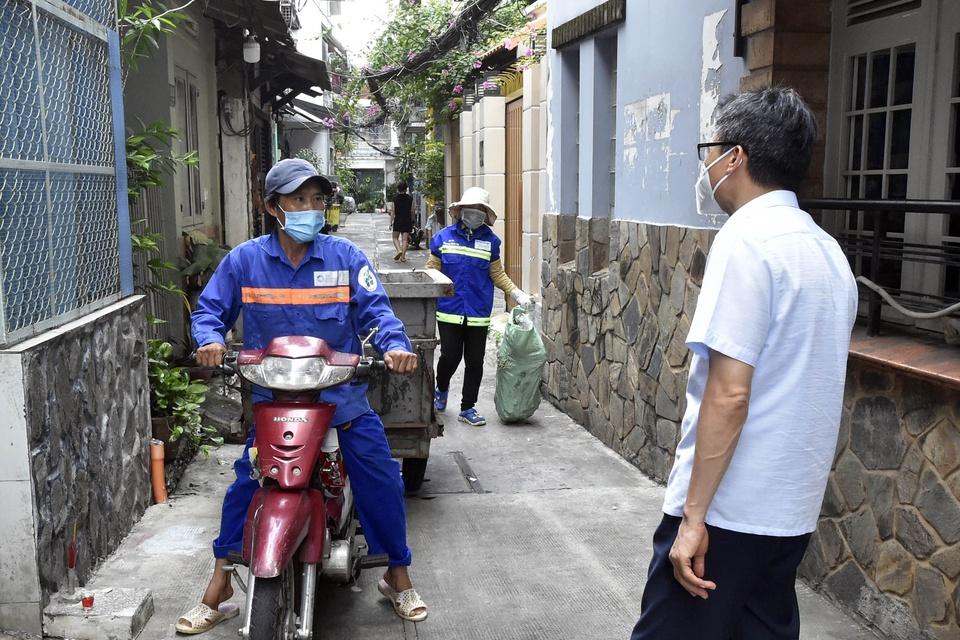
401	361
211	355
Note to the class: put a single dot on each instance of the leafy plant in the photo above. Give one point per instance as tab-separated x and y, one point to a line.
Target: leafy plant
150	156
155	279
310	156
173	395
141	28
203	256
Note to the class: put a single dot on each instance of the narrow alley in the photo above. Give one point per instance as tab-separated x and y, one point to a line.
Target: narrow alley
520	532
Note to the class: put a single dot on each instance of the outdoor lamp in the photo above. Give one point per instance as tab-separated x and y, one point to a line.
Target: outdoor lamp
251	49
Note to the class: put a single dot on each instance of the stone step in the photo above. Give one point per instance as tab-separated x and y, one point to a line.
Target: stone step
117	614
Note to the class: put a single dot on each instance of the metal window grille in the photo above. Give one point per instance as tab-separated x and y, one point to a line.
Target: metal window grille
64	232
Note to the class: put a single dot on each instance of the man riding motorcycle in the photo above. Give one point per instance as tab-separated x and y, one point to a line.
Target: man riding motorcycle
296	282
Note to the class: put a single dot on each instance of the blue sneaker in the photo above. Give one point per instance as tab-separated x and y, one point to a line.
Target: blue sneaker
440	399
471	417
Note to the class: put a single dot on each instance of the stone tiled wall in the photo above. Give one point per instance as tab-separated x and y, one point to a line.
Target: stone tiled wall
616	357
87	413
888	542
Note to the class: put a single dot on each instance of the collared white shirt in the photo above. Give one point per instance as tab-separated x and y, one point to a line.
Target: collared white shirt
777	294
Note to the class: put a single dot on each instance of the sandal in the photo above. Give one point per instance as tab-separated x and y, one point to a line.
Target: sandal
202	618
405	602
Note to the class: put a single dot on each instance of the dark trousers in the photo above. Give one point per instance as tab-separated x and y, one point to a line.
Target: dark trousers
460	342
755	597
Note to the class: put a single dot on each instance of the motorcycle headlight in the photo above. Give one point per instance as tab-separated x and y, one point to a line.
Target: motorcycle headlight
295	374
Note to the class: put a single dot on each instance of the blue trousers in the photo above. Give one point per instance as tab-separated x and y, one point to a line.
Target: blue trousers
755	598
374	478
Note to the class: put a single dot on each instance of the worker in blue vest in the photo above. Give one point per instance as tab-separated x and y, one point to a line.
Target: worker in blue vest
468	252
295	281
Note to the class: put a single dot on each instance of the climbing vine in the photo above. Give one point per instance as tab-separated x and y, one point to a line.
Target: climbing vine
399	82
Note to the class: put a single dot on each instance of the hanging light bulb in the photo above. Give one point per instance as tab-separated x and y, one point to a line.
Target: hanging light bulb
251	49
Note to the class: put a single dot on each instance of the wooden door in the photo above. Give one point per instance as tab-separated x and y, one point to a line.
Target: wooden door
513	222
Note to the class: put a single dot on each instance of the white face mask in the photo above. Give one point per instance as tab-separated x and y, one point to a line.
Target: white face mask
707	204
472	218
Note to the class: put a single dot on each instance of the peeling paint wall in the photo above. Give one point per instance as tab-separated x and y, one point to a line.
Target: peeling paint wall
675	61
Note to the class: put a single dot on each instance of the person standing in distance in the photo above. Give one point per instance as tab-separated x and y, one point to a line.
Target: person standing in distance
770	338
468	252
402	221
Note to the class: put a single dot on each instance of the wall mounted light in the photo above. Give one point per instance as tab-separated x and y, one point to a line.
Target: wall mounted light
251	49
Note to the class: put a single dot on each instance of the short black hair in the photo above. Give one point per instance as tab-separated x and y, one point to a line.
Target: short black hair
402	187
777	130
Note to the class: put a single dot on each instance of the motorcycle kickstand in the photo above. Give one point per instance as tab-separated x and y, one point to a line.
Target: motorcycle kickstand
232	569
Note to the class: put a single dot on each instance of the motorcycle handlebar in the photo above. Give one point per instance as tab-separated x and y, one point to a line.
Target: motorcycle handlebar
369	366
366	368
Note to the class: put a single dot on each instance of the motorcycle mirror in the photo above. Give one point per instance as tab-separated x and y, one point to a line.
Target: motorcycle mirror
366	341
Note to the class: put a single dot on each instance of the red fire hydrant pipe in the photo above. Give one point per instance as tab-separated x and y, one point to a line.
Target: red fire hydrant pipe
157	478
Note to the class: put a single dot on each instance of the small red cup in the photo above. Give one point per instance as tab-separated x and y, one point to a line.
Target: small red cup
87	601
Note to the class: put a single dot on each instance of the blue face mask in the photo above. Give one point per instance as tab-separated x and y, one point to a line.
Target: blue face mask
303	226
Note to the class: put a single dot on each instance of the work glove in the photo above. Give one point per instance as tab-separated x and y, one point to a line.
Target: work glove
521	298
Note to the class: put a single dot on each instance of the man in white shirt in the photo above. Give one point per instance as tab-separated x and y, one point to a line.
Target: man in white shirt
769	338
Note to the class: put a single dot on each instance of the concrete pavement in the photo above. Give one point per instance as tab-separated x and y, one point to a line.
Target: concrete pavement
521	532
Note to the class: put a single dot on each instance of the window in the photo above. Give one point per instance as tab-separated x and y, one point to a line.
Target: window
894	133
188	178
951	226
878	125
612	158
568	131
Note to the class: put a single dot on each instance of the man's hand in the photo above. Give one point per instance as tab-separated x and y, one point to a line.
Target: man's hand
211	355
401	361
688	556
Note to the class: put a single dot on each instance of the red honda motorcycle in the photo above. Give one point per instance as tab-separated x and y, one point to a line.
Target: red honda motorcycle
302	522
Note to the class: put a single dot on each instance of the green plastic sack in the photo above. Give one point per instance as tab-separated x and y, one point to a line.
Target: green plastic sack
520	361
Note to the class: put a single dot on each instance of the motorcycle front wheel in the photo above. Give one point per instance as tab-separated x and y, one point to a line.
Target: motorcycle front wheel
273	611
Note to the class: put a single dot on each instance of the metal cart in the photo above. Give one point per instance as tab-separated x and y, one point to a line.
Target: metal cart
405	403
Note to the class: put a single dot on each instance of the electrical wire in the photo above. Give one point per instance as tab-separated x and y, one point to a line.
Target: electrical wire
918	315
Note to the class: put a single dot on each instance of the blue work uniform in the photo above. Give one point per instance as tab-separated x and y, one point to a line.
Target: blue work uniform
333	294
466	260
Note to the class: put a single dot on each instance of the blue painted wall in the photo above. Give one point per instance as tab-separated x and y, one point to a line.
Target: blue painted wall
663	76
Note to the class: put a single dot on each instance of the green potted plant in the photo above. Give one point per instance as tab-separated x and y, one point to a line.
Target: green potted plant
175	402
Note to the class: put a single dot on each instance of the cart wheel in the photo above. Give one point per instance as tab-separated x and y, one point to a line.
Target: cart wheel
413	471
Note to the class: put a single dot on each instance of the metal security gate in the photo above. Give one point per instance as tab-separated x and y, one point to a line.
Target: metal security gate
513	242
64	225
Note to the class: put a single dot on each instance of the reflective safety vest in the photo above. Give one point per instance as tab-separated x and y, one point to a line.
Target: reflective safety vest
466	261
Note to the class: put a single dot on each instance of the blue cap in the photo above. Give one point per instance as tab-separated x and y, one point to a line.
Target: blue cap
287	175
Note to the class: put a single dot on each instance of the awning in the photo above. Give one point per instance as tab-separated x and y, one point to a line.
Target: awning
259	17
283	73
289	74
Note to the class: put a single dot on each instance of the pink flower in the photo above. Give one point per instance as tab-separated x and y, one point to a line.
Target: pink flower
373	110
452	105
477	64
328	123
458	89
526	51
489	84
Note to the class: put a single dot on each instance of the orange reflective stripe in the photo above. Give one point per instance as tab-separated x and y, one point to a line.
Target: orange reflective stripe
319	295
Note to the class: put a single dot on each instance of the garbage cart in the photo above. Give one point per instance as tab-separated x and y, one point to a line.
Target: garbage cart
405	402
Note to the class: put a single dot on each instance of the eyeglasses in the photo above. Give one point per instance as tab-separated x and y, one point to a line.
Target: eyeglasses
704	148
